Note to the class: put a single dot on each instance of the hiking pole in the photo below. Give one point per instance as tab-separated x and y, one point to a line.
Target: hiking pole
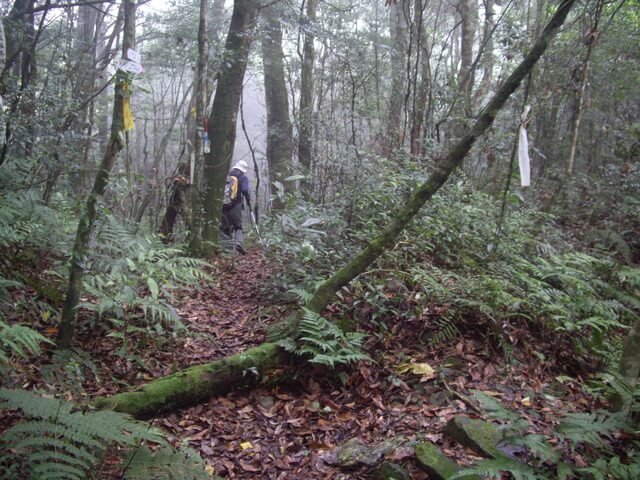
255	225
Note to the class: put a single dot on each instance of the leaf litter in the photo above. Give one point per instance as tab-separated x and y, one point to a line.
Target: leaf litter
284	431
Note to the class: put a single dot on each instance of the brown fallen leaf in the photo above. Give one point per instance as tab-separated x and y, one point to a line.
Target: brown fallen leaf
248	467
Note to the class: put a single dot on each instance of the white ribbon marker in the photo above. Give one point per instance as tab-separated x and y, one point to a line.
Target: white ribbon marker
523	150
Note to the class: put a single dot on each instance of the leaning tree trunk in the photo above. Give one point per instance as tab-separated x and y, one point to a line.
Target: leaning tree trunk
85	226
224	114
197	383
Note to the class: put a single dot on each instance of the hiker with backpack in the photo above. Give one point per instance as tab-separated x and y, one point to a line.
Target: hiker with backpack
237	186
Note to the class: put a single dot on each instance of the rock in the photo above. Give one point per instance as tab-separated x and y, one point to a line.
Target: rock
390	471
441	398
266	402
354	452
436	464
478	435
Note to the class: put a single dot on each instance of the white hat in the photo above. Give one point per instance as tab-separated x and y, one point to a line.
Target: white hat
242	166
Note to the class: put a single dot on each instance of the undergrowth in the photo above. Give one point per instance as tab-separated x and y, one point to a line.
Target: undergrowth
455	255
587	436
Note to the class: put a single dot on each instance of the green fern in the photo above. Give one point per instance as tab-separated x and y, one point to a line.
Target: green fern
56	440
19	341
164	463
303	295
590	428
497	467
612	468
324	343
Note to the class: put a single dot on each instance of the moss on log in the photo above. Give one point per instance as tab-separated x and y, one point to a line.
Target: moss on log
439	467
196	384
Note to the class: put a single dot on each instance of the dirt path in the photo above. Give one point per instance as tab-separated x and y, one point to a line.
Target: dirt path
223	316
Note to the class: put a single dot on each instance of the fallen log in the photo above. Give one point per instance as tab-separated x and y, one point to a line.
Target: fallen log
196	384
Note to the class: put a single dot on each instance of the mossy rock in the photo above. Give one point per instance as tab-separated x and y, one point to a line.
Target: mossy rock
354	452
431	459
478	435
390	471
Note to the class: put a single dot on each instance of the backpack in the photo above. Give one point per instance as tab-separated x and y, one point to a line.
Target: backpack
230	190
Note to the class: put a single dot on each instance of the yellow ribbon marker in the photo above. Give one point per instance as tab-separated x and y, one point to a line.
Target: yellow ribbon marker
126	108
246	445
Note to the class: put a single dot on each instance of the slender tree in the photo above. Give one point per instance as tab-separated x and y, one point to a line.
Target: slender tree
582	77
305	122
224	114
398	27
85	226
279	135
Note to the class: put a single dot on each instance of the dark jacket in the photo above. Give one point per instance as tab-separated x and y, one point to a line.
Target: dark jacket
243	186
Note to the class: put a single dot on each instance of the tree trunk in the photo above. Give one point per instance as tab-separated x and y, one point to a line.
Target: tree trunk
583	74
468	10
224	114
421	95
487	41
85	226
279	140
305	124
200	95
199	383
196	384
399	31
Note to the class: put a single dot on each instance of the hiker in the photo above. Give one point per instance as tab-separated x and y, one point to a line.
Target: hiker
237	187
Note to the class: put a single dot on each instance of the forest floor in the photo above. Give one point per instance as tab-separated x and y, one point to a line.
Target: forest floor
283	431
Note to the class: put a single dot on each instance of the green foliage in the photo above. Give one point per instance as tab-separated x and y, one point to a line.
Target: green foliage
588	433
131	280
165	463
19	341
590	428
322	342
452	256
56	440
496	468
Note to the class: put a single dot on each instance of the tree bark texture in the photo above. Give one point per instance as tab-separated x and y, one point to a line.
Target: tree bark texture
305	122
200	97
468	10
199	383
224	114
85	226
279	135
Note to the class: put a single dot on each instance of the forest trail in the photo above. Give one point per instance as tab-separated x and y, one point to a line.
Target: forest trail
222	316
284	429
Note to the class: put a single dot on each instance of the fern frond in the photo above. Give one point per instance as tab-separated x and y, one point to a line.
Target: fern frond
165	463
58	441
495	469
19	340
590	428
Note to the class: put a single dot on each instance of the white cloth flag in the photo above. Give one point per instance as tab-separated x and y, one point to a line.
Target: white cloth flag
523	150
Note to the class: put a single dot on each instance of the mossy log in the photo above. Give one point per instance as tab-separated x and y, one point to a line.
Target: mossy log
196	384
439	467
478	435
